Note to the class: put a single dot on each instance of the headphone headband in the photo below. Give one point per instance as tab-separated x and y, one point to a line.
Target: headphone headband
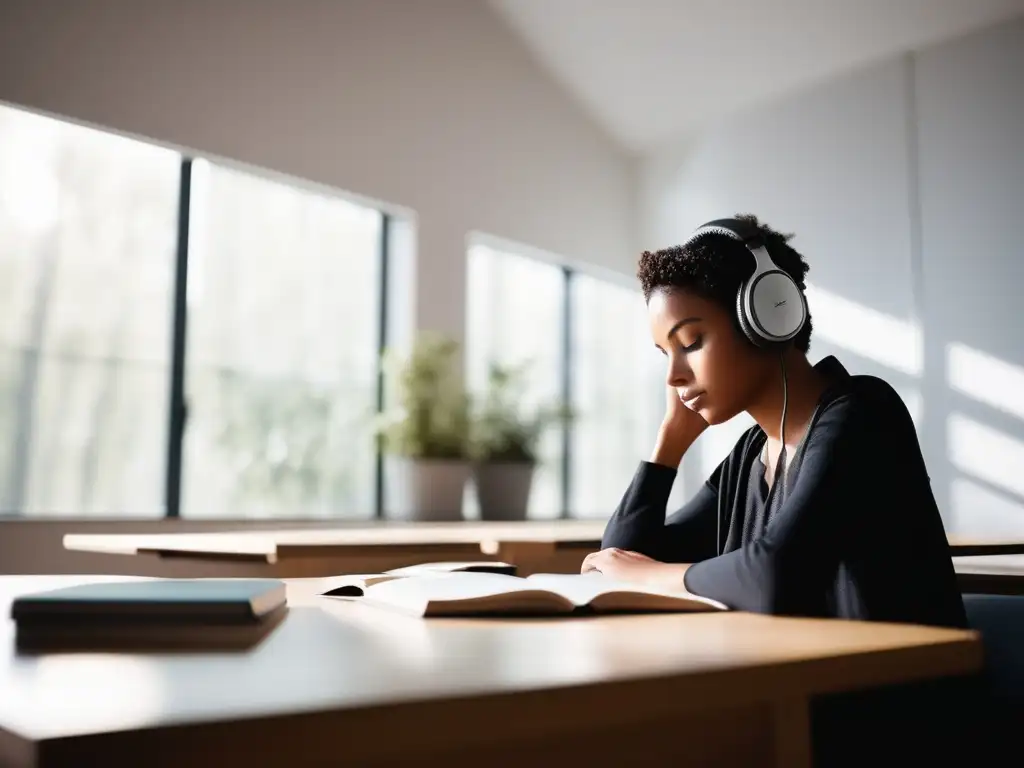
770	306
735	228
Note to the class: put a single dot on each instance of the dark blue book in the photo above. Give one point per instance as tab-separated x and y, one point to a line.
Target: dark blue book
168	613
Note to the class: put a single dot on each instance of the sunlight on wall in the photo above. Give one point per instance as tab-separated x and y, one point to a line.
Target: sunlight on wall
986	453
874	335
914	401
985	378
983	511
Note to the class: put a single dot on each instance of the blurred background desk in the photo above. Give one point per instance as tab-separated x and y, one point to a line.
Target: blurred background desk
551	546
993	575
961	545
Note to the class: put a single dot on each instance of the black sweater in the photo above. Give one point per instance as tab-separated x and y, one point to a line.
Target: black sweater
852	531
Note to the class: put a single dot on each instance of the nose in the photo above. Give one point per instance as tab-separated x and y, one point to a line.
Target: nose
679	374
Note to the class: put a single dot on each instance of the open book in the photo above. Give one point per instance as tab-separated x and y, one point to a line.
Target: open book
460	593
352	585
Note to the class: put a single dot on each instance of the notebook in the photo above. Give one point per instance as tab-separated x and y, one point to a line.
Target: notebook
465	593
164	613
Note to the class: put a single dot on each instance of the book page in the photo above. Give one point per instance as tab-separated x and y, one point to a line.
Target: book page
466	592
484	566
352	585
603	593
355	584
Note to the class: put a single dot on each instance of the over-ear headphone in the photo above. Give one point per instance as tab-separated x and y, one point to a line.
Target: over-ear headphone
769	304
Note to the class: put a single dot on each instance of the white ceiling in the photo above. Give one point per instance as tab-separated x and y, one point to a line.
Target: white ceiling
652	70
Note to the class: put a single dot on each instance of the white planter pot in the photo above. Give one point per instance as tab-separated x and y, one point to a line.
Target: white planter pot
424	490
503	489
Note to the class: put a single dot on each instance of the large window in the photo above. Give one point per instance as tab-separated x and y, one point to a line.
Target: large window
618	384
283	307
136	283
87	242
514	316
588	341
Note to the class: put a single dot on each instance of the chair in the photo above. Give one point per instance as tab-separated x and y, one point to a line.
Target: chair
1000	620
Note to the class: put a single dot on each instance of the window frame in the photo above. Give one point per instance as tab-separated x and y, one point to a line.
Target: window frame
178	406
567	356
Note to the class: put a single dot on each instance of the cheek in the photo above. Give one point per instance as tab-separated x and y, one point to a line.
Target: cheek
709	363
722	369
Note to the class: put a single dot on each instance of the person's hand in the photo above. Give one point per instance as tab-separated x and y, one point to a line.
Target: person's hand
679	420
678	430
634	567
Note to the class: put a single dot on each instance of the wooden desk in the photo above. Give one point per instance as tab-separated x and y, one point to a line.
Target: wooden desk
556	546
339	682
553	547
994	575
972	546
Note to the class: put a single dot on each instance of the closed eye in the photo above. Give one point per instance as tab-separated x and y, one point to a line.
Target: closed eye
691	348
695	345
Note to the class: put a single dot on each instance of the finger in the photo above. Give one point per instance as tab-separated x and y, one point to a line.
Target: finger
635	556
594	560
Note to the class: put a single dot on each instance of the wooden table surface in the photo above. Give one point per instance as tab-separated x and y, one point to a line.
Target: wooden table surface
347	682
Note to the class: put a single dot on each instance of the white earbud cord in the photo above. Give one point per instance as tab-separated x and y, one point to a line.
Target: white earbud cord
782	426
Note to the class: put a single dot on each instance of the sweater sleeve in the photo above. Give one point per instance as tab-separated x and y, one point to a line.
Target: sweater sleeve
640	523
787	568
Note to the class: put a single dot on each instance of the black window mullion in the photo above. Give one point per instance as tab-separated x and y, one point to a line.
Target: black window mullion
566	468
178	409
382	339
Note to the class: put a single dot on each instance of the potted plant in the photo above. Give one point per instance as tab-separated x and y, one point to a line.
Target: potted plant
505	437
425	433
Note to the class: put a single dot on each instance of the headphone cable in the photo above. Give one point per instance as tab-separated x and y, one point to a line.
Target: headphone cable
782	426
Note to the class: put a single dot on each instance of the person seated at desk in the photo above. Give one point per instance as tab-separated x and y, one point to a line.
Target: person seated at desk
824	506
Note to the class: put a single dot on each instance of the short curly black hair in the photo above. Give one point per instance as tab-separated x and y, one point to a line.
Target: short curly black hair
715	265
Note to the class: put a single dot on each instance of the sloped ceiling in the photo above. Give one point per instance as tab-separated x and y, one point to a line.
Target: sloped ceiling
653	70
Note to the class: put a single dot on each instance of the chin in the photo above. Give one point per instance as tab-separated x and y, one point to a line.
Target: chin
711	418
715	416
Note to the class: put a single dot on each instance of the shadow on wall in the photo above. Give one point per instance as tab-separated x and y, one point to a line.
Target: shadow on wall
968	406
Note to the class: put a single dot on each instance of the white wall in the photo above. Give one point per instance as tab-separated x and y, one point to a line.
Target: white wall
970	104
433	106
904	184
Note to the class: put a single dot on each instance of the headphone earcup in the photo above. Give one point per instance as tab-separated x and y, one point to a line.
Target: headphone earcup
744	321
775	307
